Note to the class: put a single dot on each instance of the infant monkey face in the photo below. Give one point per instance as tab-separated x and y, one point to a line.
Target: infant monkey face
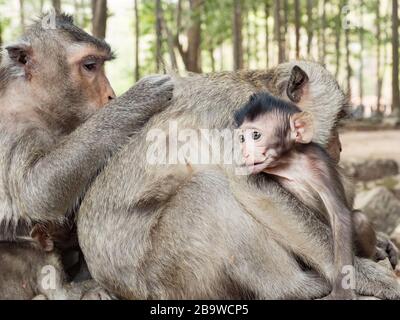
259	148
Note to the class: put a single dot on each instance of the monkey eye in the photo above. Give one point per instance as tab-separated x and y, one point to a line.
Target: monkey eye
91	63
256	135
241	138
90	66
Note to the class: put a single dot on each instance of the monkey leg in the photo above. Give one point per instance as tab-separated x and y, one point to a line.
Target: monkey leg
364	235
193	249
371	244
283	279
203	244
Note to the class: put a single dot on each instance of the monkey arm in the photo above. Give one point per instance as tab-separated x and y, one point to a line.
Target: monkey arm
46	181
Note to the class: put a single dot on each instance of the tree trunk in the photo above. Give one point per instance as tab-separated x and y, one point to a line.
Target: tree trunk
278	32
22	13
1	35
194	37
318	27
395	57
170	40
310	27
221	57
286	44
248	36
158	36
348	66
137	38
212	59
378	55
56	5
192	56
267	13
323	32
297	22
256	40
361	39
338	33
237	36
99	18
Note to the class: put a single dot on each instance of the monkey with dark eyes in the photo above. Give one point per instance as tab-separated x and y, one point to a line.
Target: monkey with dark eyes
276	138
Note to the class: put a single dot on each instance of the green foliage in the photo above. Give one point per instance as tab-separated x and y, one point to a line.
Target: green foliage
216	18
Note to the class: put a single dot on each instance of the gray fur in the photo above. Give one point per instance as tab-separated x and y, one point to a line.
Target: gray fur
25	274
214	235
52	140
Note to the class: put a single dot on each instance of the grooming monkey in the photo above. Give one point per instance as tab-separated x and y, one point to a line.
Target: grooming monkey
276	138
55	133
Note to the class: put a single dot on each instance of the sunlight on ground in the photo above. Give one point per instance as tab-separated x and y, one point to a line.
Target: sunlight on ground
359	145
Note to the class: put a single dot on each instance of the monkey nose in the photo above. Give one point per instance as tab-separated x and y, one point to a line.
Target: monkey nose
111	94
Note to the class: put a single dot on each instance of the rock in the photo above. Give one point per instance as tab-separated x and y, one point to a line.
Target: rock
368	170
381	206
395	237
392	183
391	122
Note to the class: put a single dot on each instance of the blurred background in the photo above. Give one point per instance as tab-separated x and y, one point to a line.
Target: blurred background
357	40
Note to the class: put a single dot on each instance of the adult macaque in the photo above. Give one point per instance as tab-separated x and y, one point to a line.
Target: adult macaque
54	137
276	136
54	134
216	234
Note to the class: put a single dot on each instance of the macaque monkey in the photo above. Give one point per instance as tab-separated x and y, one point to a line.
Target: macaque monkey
55	133
31	268
217	235
276	138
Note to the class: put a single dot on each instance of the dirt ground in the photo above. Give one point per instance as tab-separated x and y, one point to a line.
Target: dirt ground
359	145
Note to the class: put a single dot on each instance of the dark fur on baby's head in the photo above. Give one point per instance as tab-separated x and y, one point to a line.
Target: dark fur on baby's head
263	103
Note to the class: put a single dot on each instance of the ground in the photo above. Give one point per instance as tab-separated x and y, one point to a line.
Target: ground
359	145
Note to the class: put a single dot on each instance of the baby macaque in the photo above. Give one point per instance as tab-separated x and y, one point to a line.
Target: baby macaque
276	139
29	268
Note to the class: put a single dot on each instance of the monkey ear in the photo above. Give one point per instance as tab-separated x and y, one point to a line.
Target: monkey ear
40	235
20	54
302	127
297	82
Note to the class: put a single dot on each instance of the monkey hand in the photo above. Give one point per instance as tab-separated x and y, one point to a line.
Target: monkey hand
386	249
154	91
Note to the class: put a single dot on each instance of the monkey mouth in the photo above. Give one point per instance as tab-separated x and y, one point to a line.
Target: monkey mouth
257	167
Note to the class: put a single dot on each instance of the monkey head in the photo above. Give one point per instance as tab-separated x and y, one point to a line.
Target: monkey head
50	68
269	128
